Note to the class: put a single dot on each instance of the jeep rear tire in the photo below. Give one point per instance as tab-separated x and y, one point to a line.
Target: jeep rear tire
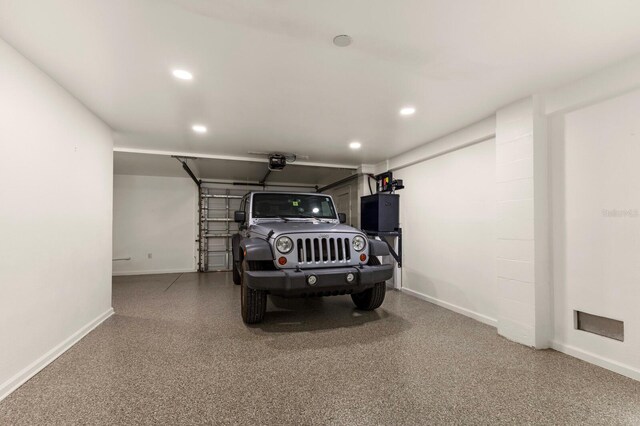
371	298
253	302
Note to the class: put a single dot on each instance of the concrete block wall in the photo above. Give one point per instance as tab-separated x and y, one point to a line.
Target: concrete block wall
522	249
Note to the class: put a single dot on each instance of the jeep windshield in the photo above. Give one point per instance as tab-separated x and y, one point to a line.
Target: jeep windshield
292	206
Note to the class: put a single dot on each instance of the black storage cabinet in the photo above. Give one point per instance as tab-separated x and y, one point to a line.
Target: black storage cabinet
380	212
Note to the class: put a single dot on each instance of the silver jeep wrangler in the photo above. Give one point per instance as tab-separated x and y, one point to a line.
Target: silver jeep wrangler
296	245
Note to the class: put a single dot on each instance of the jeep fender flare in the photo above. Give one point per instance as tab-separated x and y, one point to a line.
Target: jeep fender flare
236	251
256	249
378	248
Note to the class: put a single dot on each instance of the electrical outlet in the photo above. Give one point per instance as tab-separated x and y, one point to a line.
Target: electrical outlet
149	255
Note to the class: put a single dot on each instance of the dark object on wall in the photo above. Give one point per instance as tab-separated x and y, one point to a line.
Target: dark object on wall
607	327
386	183
380	212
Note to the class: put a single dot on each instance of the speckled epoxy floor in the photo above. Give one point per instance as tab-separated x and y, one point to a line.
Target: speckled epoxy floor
180	354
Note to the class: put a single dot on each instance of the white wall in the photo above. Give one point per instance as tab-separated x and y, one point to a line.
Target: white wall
448	217
466	136
524	301
595	170
55	220
586	163
156	215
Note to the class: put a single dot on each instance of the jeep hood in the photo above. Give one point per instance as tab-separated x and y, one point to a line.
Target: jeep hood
294	227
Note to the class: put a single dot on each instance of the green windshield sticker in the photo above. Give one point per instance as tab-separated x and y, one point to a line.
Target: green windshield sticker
295	203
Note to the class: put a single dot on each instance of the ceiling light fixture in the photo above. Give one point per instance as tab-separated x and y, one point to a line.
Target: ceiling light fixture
342	40
182	74
355	145
199	128
409	110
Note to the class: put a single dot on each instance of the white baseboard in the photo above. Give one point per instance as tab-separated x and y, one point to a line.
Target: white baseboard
34	368
455	308
153	272
598	360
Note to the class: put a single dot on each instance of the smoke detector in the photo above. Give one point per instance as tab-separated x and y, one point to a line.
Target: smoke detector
342	40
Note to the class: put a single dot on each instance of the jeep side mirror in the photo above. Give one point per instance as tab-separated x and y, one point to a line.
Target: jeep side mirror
342	217
239	216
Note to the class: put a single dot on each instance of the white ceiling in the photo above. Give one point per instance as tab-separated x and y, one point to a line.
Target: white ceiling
267	76
125	163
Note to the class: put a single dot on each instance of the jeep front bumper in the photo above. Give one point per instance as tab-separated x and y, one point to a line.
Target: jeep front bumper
330	281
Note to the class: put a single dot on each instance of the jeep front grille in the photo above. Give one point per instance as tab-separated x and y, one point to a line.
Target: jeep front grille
323	250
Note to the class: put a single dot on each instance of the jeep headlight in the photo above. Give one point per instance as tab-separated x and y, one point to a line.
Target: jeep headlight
358	243
284	245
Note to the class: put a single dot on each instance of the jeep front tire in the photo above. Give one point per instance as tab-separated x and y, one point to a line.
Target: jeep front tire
253	302
371	298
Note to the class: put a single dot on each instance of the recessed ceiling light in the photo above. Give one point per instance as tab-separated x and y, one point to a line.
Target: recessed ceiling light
355	145
182	74
409	110
199	128
342	40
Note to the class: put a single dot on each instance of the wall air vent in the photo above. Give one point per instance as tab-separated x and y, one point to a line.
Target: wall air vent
607	327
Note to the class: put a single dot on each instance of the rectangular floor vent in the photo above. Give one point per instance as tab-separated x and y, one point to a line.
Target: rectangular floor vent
601	326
